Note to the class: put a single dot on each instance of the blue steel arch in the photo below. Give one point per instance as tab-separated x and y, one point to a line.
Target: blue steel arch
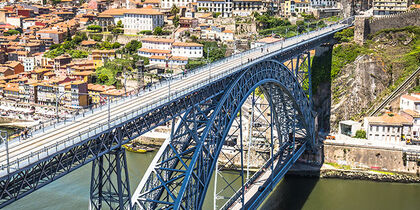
196	178
242	87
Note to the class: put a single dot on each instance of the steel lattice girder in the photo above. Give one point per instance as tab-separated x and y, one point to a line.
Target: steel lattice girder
24	181
196	173
109	182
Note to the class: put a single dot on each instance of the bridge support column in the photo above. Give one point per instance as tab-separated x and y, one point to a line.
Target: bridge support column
109	186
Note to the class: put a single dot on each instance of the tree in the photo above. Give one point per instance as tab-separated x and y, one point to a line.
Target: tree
194	38
96	37
216	14
116	45
132	46
11	32
95	28
174	10
117	31
158	31
360	134
119	24
147	32
175	21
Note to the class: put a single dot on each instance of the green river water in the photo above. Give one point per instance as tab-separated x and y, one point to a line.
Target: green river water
72	192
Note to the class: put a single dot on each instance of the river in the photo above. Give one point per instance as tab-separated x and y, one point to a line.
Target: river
72	192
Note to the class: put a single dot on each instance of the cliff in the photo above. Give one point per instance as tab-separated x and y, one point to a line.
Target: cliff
363	75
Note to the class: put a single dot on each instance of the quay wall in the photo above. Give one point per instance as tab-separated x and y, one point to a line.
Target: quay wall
370	158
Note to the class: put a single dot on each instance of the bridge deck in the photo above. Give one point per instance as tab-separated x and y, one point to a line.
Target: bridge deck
19	151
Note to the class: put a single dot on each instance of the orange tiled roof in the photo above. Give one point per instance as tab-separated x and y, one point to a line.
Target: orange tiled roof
389	119
186	44
151	39
154	51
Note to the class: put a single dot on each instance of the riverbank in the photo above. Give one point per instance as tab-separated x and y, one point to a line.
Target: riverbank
329	170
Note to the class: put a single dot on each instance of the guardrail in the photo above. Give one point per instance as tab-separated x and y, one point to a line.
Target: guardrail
92	131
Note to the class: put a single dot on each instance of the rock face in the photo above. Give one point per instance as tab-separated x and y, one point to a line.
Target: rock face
356	87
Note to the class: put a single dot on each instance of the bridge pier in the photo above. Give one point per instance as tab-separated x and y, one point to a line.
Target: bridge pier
109	182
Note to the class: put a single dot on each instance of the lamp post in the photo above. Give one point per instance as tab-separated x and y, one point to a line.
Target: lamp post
57	100
5	138
208	60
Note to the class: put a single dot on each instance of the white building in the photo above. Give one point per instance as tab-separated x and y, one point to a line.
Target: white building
157	43
222	6
136	20
323	3
410	102
388	128
189	50
413	116
167	51
226	36
29	63
167	4
264	41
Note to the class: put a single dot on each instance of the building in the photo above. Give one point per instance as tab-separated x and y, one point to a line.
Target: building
389	7
264	41
349	127
101	56
167	4
133	20
188	50
324	3
247	7
79	94
413	116
388	128
224	7
294	7
411	102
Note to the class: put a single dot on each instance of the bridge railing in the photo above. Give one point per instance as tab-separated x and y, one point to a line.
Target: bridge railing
92	131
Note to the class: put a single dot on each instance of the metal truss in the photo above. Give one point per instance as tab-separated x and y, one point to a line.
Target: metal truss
26	180
215	106
109	183
180	176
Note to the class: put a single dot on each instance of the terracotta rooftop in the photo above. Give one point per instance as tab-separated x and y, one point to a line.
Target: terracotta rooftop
151	39
411	98
389	119
186	44
154	51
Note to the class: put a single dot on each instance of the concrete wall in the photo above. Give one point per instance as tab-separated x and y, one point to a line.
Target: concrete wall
391	160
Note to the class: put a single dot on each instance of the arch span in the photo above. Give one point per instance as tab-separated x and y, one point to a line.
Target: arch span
183	181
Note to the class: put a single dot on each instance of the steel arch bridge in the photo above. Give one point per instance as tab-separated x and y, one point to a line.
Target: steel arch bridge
180	174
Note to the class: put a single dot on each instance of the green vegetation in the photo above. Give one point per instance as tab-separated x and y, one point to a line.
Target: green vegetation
212	52
345	35
216	14
383	172
108	46
95	28
146	32
55	2
174	10
343	55
11	32
111	70
360	134
338	166
175	21
96	37
158	31
132	47
68	47
271	25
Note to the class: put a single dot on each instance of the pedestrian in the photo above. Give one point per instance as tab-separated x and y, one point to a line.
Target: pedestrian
262	50
25	132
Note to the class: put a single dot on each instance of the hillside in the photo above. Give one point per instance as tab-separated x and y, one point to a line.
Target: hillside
363	75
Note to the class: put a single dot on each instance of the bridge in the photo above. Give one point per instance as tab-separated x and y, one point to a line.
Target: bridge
206	110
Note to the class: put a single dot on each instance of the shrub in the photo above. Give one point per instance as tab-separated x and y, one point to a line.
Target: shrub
360	134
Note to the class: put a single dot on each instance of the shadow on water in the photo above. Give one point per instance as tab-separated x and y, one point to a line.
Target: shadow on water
291	193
